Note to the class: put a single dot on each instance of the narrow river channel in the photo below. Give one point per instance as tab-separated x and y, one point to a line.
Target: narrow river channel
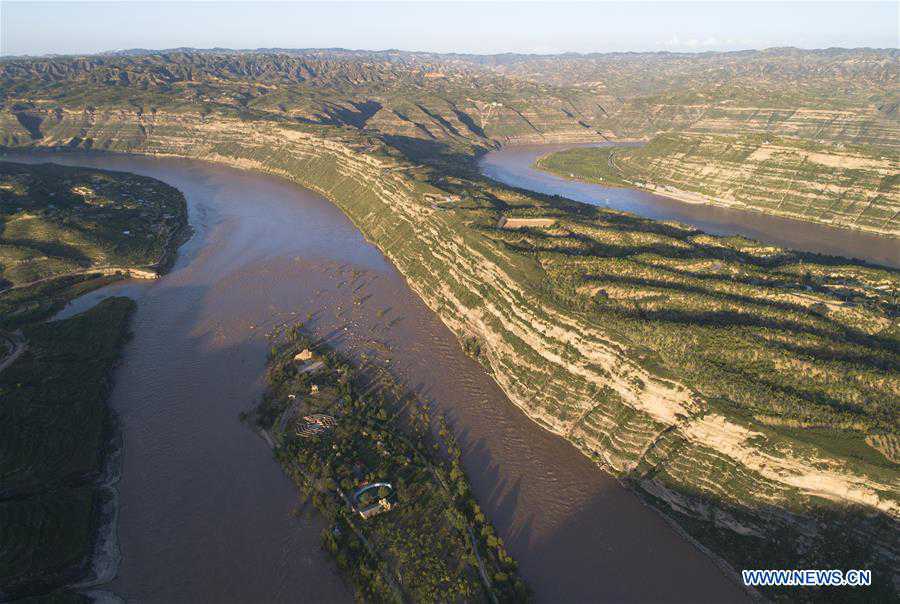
514	166
205	512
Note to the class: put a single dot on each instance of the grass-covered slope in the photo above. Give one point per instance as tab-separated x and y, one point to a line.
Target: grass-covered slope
56	220
847	186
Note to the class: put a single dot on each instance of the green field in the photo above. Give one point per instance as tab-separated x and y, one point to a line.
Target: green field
54	430
57	220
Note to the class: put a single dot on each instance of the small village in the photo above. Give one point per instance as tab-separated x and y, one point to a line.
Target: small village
367	499
403	522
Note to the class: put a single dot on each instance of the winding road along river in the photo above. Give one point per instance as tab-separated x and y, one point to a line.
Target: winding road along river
207	515
514	166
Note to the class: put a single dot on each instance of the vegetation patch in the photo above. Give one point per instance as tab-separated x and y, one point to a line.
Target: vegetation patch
852	186
403	524
54	430
56	220
64	232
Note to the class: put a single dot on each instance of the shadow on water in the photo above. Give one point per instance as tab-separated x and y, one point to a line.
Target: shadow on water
206	512
577	533
598	543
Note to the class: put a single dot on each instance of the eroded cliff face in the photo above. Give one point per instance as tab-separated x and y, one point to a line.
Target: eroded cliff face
413	100
729	485
698	112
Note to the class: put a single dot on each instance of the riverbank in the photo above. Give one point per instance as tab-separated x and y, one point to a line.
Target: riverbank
515	166
652	445
747	183
188	374
61	444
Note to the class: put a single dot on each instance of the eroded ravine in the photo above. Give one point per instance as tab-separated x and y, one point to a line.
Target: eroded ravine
206	513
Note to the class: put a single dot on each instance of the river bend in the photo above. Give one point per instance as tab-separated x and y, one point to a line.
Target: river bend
514	166
206	513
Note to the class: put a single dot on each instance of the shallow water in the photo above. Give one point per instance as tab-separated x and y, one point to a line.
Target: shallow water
207	515
130	288
514	166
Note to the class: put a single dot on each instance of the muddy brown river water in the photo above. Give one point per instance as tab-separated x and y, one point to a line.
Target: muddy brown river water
206	514
514	166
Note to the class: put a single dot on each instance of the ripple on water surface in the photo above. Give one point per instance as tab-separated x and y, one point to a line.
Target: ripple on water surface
207	514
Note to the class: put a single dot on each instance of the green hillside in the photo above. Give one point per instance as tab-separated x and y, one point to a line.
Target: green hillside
746	391
64	232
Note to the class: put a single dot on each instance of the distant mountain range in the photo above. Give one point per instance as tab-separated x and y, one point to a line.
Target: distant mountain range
742	389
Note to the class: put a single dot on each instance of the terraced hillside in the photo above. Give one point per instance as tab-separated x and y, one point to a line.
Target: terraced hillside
812	135
851	186
400	95
745	391
716	122
842	95
740	446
